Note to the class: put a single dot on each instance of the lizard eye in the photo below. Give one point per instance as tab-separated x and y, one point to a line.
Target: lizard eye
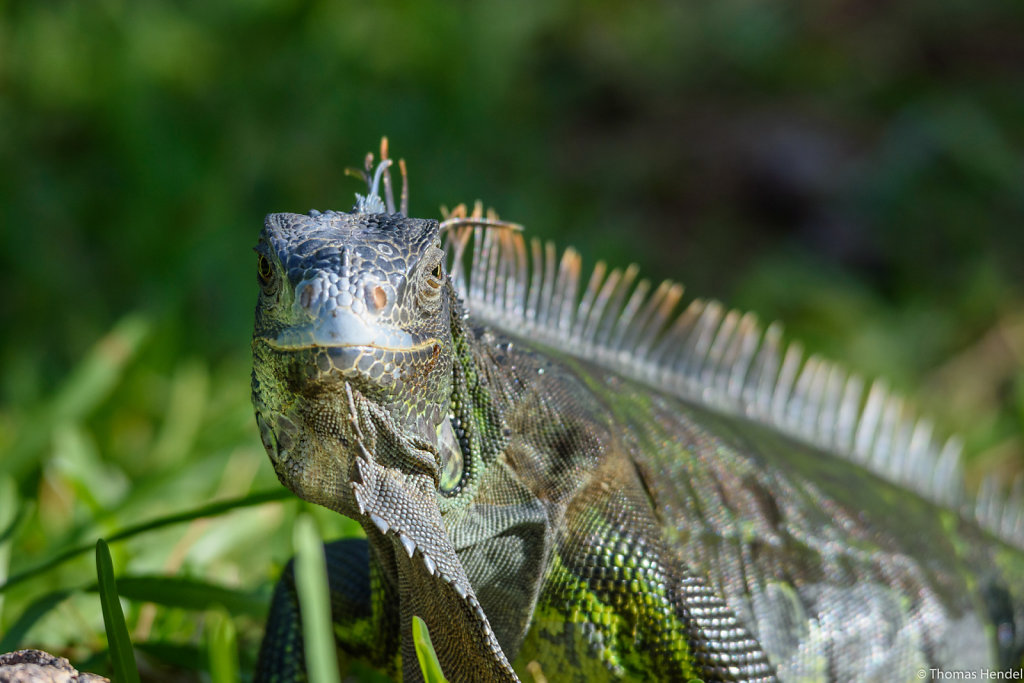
430	280
263	268
265	273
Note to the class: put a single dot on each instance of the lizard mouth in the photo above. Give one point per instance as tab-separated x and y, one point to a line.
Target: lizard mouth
418	346
368	367
344	328
354	346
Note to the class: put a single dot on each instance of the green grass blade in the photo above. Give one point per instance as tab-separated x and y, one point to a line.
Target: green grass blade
121	655
90	383
429	665
185	657
189	594
314	601
39	608
222	647
211	510
9	516
192	594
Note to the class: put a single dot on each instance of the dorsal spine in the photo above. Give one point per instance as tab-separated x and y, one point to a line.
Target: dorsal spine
720	358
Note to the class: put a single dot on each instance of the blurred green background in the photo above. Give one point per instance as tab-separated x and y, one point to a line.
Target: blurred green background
853	169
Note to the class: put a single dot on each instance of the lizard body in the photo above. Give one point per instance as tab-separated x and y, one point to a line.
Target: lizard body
570	475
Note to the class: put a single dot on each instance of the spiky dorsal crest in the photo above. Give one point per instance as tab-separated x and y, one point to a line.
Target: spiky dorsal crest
713	356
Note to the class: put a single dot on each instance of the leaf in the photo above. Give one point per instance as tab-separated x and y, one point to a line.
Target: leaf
30	615
210	510
429	665
187	594
121	654
192	594
183	656
10	514
314	603
222	645
92	381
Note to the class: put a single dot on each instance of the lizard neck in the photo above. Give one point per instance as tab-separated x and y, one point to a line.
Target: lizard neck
475	410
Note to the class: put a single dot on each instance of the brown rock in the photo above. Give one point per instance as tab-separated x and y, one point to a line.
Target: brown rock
36	666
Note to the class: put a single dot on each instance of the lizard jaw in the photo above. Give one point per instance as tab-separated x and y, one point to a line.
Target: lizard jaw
345	329
373	369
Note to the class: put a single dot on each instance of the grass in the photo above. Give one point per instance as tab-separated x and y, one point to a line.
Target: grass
311	584
122	657
198	539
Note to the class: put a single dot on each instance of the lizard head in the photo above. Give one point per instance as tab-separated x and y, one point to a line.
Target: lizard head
349	303
368	402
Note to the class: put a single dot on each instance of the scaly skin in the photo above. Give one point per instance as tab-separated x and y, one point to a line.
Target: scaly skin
535	507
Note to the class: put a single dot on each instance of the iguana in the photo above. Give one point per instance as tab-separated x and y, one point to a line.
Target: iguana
572	477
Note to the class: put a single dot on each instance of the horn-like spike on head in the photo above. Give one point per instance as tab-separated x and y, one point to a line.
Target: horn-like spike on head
403	202
389	195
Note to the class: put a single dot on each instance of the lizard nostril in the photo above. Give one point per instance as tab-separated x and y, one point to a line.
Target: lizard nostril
309	293
379	297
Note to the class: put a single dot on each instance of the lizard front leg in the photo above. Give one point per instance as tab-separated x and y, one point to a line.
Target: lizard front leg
617	604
